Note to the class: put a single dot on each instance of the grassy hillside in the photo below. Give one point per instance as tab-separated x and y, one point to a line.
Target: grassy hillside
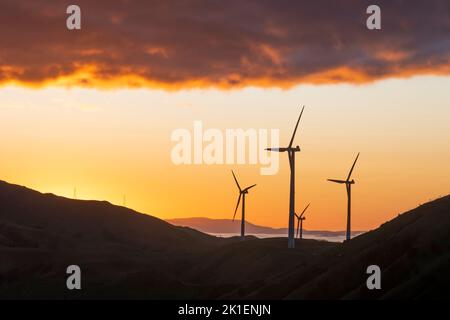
125	254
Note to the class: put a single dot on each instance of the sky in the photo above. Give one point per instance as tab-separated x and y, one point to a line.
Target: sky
94	109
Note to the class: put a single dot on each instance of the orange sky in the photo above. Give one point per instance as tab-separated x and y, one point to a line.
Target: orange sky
115	142
96	108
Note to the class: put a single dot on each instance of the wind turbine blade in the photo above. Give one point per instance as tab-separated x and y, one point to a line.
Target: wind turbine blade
248	188
351	170
274	149
237	183
296	126
304	210
237	206
337	181
297	215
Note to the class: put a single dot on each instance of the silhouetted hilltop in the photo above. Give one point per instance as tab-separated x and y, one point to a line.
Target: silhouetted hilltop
125	254
25	213
223	226
228	226
412	250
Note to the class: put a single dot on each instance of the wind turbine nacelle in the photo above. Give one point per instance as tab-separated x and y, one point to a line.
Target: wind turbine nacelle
352	182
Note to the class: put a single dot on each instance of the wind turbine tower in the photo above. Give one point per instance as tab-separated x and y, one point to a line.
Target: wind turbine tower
242	194
291	154
300	219
348	185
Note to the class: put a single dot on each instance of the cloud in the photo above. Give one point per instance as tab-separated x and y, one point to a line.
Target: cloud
225	44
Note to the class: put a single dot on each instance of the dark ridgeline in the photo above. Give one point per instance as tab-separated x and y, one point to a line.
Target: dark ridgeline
291	154
227	226
242	194
300	219
125	254
348	185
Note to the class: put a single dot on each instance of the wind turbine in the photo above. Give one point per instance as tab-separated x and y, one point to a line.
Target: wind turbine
348	186
291	154
300	219
242	194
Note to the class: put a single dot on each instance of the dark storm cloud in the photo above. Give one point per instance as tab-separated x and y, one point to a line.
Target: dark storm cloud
221	43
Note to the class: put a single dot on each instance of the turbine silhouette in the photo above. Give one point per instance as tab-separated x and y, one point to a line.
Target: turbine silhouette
348	186
242	194
300	219
291	154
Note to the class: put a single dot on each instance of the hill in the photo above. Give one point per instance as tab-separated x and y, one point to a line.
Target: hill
228	226
125	254
412	250
208	225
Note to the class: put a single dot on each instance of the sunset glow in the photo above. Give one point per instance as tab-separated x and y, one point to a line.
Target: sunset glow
108	143
94	108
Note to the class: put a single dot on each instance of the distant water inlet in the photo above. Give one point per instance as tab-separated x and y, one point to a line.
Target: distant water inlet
314	235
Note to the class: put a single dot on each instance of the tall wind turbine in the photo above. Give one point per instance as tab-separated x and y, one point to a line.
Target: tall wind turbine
300	219
291	154
348	185
242	194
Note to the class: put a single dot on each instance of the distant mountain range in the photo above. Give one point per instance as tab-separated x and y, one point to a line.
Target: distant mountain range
124	254
228	226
